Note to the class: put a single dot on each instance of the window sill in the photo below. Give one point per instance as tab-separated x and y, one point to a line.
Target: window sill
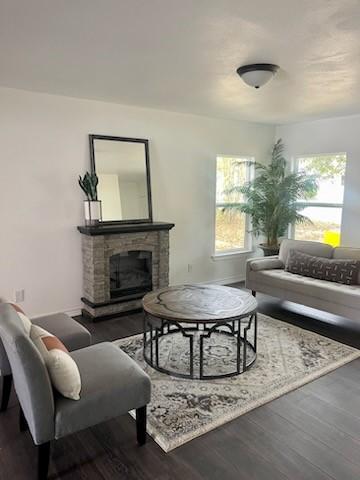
230	255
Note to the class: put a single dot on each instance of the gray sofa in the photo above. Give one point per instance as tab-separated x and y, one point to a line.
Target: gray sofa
268	275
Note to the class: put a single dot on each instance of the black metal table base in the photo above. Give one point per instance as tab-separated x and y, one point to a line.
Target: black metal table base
239	329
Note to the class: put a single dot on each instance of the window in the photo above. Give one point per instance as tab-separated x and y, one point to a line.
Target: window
232	226
325	210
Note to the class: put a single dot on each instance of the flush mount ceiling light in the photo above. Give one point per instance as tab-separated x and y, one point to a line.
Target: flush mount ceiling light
257	74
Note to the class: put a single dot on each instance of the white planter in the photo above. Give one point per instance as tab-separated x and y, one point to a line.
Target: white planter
92	211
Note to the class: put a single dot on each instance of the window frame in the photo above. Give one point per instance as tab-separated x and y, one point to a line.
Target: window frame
295	169
248	238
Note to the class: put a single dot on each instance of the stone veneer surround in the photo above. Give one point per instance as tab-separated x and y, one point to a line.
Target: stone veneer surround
100	243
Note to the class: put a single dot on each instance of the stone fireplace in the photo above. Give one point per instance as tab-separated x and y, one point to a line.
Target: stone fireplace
121	263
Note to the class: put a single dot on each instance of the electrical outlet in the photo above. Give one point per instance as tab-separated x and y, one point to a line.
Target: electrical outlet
19	295
189	268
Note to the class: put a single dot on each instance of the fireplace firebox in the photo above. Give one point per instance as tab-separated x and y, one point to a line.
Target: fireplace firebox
130	272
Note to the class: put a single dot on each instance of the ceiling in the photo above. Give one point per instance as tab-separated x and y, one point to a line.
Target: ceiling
181	55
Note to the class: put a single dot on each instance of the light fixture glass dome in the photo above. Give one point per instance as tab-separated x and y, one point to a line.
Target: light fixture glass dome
258	74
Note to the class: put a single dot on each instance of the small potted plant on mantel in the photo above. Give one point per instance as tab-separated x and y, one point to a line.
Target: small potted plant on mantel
92	206
271	199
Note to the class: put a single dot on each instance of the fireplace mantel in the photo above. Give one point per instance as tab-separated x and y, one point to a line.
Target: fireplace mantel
100	244
110	229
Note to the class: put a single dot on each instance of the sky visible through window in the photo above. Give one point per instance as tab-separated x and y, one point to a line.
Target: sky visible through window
326	220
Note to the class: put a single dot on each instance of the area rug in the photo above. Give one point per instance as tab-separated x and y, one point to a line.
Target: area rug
287	358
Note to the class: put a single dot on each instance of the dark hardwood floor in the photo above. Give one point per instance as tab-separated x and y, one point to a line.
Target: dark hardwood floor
312	433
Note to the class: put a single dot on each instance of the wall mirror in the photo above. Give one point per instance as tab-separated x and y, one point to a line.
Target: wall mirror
122	166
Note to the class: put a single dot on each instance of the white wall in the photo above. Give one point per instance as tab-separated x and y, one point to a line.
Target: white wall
43	149
333	135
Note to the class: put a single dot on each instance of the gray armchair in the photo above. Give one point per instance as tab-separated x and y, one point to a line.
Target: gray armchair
112	384
71	333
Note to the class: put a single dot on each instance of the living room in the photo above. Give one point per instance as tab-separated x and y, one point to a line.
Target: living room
163	75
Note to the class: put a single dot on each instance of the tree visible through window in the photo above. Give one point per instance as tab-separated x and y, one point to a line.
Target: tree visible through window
325	210
231	233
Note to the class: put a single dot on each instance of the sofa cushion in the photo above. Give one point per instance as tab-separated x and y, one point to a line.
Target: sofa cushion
347	295
112	384
311	248
332	270
346	253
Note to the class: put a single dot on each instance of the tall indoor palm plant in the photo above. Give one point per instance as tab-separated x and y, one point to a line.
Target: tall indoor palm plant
271	198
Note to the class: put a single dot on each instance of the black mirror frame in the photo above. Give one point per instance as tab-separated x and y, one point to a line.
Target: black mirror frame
93	137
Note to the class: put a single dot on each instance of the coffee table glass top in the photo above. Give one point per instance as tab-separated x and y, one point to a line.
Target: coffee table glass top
199	303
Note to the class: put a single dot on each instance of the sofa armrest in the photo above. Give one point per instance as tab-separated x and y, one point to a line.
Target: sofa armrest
264	263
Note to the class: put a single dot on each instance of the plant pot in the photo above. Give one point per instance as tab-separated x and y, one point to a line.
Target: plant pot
269	249
92	211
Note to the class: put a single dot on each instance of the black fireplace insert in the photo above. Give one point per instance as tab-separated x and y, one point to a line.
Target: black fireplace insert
130	273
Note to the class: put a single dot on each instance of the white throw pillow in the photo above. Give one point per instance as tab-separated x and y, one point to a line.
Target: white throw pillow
24	319
63	371
26	322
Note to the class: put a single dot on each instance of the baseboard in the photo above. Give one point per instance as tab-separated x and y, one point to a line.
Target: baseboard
75	312
226	281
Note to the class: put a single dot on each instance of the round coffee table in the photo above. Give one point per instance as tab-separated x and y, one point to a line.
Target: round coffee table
198	312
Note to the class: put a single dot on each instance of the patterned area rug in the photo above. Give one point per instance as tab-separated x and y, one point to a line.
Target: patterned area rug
182	410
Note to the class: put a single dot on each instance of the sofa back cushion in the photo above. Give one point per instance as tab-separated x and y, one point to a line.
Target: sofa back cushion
346	253
332	270
311	248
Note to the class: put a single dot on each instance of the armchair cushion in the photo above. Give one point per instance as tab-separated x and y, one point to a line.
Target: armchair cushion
72	334
112	384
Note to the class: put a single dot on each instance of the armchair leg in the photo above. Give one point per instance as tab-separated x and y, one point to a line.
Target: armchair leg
253	293
22	421
6	390
43	460
141	425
